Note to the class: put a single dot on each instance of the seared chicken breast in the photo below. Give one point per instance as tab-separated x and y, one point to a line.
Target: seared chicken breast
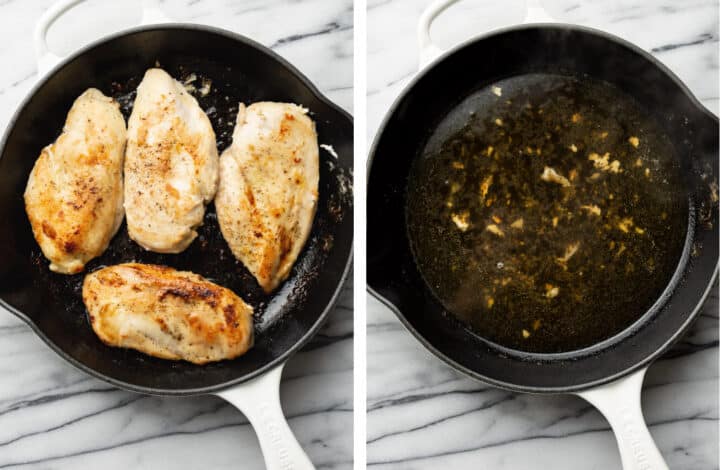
269	188
167	313
74	194
171	165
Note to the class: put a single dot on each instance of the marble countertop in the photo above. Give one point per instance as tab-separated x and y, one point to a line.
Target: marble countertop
424	415
53	416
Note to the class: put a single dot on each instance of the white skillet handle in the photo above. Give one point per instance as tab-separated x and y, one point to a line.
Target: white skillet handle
619	402
429	51
259	400
46	60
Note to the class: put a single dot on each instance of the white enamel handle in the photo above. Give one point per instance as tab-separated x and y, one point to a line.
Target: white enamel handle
46	60
259	400
429	51
619	402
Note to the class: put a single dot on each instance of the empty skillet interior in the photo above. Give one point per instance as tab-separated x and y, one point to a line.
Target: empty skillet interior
572	51
239	71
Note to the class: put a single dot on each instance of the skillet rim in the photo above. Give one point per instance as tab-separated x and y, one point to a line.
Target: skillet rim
407	91
310	333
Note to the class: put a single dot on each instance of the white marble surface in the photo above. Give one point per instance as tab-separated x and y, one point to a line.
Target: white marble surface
422	414
51	415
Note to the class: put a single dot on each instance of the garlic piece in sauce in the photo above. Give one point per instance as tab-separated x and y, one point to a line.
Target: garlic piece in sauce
592	209
551	291
485	187
552	176
603	162
625	224
570	251
492	228
461	220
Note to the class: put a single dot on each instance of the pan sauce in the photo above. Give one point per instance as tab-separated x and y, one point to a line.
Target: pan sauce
547	212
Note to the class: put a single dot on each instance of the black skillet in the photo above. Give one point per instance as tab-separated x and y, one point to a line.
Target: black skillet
240	70
609	374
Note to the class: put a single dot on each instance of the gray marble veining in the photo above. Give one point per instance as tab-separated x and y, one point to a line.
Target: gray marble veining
424	415
53	416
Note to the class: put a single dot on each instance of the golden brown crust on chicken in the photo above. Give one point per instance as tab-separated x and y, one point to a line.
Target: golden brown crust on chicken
268	188
167	313
171	165
74	193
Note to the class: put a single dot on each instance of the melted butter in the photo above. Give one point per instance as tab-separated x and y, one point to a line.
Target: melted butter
558	227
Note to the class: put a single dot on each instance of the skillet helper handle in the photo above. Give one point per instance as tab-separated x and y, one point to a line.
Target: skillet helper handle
619	402
429	51
46	60
259	401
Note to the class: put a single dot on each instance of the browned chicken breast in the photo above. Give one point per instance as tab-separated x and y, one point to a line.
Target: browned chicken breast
171	165
74	194
269	188
167	313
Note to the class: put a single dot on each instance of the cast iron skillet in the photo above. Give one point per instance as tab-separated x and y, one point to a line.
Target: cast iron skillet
240	70
392	273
